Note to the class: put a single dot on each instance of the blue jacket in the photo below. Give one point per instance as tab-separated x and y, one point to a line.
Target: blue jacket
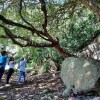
3	60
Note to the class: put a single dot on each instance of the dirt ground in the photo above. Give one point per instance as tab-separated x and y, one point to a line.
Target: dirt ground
48	86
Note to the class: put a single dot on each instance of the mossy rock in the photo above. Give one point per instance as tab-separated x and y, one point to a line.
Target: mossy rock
83	73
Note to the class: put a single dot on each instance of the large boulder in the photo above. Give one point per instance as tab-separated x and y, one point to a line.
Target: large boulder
83	74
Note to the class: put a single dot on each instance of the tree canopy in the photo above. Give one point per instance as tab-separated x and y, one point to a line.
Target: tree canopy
47	23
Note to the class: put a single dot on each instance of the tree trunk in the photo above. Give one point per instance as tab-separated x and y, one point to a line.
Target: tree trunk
61	51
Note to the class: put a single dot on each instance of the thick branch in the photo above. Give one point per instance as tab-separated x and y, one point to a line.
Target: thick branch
8	33
15	37
28	41
10	22
34	44
43	8
61	51
63	9
41	34
20	13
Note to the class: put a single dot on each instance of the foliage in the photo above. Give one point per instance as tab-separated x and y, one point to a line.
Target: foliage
73	33
46	23
78	31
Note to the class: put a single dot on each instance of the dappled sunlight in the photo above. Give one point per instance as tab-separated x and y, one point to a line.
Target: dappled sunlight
82	77
42	86
88	74
86	64
26	87
71	68
78	83
72	65
36	86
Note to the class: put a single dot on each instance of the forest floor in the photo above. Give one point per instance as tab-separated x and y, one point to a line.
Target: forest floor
48	86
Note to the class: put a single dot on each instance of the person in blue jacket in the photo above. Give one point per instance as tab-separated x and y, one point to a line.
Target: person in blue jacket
3	61
22	69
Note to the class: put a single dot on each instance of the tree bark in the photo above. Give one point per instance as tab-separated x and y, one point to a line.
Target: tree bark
61	51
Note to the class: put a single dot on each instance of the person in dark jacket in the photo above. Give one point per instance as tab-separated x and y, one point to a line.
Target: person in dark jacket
11	68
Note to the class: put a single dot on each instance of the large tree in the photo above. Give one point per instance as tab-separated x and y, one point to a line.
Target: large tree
25	20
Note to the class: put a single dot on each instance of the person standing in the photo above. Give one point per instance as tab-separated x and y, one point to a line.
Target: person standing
3	61
22	66
11	68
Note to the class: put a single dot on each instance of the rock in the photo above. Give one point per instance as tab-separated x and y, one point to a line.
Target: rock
52	64
28	70
83	74
33	72
41	70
